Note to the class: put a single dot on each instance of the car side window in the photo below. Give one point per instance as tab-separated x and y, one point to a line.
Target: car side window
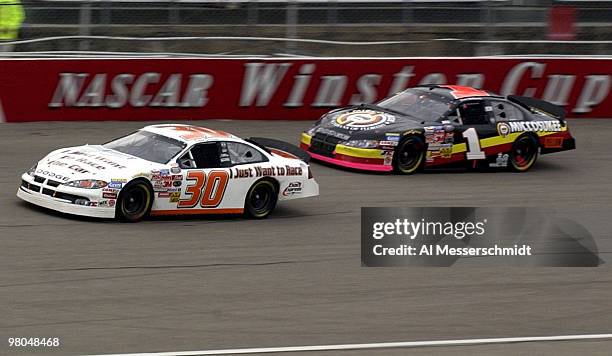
203	155
473	113
504	111
241	153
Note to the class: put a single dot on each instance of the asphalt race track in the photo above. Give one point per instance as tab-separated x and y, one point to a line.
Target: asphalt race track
295	278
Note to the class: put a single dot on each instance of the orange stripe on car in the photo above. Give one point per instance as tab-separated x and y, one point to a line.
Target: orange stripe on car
197	212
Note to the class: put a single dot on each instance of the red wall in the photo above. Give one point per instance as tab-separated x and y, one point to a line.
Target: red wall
284	89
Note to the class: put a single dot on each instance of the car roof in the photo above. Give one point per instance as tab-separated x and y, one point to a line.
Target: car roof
454	92
188	133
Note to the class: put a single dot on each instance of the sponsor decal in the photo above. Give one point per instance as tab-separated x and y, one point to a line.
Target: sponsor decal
107	195
435	135
177	183
163	195
177	177
388	143
52	175
388	159
95	161
501	161
505	128
363	120
115	185
272	171
292	189
553	142
392	137
164	172
175	170
446	152
439	150
174	197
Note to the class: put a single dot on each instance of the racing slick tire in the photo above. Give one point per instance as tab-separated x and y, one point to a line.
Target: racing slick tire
134	201
524	153
409	155
261	199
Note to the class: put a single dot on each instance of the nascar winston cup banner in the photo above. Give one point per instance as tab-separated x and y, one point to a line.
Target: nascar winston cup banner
474	237
284	89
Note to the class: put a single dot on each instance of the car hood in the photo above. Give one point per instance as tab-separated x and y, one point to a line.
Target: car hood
365	122
92	162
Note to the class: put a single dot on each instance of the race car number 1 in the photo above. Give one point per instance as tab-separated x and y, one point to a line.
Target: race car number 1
473	144
206	190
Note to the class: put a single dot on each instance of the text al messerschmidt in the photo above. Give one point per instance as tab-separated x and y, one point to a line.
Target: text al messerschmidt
446	250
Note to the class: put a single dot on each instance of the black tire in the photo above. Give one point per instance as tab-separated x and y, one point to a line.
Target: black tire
261	199
409	155
135	201
524	153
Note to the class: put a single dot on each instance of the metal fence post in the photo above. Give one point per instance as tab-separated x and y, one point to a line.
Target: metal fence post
292	18
85	25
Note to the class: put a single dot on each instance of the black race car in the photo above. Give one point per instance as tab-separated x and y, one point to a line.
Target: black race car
436	125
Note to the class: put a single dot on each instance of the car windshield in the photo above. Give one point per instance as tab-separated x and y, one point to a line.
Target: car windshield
148	146
417	103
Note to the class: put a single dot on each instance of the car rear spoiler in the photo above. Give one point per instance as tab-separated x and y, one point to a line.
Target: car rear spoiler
537	104
280	148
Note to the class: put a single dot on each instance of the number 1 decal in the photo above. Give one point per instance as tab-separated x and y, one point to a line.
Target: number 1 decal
473	144
208	192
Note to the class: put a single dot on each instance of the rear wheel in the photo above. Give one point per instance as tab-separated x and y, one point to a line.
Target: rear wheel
261	199
134	202
524	153
409	155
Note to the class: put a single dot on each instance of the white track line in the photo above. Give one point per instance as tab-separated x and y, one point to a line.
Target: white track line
382	345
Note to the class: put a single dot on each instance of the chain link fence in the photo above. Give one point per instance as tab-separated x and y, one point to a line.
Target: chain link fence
314	28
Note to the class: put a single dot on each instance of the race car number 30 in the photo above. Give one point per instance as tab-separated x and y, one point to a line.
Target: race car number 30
206	190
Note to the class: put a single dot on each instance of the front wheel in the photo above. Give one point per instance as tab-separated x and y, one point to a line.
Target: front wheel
260	200
135	201
524	153
409	155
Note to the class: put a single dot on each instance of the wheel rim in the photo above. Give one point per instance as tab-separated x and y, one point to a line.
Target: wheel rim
134	201
524	153
409	156
260	199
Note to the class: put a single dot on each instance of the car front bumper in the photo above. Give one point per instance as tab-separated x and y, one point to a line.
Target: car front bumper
366	159
61	198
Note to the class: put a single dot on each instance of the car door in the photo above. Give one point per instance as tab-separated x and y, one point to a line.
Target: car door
475	125
247	163
202	185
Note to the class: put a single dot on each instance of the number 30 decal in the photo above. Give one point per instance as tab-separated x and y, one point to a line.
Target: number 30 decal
208	192
473	144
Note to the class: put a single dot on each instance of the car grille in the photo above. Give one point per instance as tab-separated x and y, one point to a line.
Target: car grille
53	183
51	192
323	144
29	186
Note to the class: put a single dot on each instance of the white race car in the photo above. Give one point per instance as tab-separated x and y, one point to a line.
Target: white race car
169	169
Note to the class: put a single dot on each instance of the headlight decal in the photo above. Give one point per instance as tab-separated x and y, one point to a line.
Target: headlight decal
87	184
362	143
